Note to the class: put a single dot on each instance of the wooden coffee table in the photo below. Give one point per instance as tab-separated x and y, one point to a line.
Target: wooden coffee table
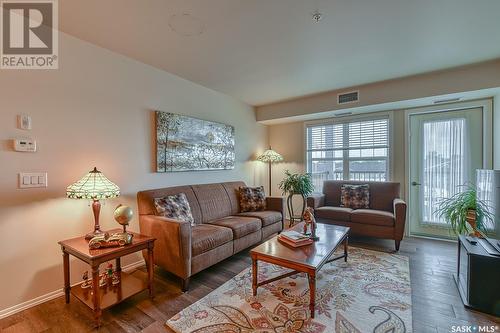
306	259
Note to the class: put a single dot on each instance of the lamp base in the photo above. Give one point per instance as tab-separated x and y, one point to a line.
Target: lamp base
92	234
96	209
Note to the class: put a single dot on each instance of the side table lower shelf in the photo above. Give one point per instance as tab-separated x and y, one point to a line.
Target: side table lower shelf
110	295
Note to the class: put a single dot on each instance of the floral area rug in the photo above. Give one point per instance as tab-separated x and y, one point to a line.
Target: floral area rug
369	293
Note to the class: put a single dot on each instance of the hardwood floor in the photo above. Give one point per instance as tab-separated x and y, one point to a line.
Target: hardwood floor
436	303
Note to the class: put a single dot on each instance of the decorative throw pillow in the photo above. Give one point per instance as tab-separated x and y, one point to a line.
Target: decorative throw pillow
252	198
355	196
174	207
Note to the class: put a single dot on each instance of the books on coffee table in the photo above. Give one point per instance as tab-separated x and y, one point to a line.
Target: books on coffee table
294	238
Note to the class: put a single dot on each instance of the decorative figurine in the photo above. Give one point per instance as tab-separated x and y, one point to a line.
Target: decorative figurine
311	222
109	270
107	240
115	279
103	280
86	282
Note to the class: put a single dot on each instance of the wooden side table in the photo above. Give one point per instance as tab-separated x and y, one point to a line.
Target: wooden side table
108	295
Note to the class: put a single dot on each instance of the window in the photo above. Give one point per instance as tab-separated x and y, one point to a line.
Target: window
356	150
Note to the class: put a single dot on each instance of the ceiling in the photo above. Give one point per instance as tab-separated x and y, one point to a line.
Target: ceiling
264	51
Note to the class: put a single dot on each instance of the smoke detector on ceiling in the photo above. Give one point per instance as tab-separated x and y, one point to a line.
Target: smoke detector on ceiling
317	16
186	25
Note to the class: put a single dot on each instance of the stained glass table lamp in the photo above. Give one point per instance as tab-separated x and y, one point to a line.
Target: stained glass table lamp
93	186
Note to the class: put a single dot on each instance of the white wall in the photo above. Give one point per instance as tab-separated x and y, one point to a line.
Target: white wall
96	110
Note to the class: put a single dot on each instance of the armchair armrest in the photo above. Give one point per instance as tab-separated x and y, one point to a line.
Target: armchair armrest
316	200
172	249
400	217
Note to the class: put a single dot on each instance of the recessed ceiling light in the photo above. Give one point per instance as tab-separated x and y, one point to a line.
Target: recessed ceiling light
186	25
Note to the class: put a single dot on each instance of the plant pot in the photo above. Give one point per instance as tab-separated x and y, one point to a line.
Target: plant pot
471	219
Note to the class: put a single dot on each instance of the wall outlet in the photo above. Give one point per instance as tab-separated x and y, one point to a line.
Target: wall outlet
32	179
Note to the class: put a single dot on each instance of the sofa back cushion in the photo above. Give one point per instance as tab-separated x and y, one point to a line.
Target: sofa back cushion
145	200
232	192
213	200
382	194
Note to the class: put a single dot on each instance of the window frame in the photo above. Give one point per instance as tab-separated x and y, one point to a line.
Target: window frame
389	115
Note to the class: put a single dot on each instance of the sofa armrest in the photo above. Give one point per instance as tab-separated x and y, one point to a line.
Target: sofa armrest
400	217
277	204
316	200
172	249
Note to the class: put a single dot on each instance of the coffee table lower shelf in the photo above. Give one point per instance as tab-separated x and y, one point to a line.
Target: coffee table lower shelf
111	295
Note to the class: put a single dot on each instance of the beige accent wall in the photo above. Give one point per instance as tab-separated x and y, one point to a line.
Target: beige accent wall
96	110
461	79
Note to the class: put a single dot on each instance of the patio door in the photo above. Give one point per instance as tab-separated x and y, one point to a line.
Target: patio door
446	148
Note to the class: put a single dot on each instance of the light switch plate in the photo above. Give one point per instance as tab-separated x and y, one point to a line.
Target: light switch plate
32	179
24	122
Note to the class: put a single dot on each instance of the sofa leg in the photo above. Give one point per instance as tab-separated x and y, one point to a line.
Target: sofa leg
397	242
185	284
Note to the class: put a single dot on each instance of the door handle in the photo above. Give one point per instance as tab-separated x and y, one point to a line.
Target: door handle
415	184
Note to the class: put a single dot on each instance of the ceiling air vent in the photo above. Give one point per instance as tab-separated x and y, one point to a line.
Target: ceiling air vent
349	97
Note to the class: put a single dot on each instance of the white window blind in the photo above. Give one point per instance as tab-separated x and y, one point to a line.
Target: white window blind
357	150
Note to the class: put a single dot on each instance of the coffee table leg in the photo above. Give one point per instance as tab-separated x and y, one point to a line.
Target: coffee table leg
254	276
346	242
312	292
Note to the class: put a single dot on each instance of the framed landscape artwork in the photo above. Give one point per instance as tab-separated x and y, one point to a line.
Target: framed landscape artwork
190	144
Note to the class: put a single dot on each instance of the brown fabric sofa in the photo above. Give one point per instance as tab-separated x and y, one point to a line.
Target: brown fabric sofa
385	219
221	229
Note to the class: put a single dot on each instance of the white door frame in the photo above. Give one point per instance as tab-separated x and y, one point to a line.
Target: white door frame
485	104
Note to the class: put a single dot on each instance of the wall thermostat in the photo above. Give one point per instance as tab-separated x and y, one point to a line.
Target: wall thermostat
24	122
25	145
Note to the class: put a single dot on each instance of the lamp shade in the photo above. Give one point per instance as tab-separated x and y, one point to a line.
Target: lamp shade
270	156
93	186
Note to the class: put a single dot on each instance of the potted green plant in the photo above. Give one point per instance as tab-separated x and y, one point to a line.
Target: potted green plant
296	184
464	212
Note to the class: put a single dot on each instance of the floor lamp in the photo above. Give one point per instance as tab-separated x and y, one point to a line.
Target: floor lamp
270	157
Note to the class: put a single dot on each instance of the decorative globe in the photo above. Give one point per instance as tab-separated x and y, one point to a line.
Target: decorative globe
123	214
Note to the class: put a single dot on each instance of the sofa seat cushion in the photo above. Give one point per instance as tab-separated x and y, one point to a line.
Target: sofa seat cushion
373	217
267	217
240	225
333	213
205	237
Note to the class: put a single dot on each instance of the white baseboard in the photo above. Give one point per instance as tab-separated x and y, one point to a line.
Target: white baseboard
54	294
